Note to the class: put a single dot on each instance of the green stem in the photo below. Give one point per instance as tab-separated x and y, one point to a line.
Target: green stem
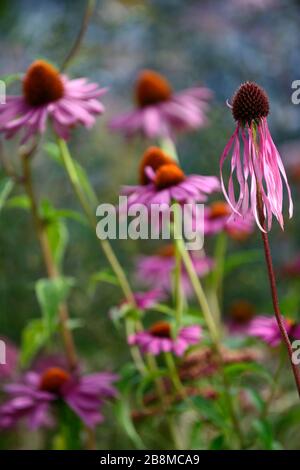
105	245
277	375
174	374
168	146
107	249
214	334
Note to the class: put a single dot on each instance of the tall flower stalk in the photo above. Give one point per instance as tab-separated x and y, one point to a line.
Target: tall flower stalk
260	172
49	262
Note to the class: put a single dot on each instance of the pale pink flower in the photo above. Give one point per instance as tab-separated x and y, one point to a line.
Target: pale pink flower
157	271
254	158
158	339
49	94
160	112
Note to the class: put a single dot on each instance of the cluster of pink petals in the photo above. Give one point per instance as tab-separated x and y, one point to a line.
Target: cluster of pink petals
157	271
149	343
78	105
257	166
184	111
194	188
84	395
230	223
266	329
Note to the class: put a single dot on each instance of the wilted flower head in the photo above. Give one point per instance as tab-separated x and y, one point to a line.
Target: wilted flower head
49	94
254	158
158	339
159	111
31	397
156	271
162	181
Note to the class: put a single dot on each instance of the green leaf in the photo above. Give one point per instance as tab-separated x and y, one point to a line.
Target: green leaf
50	294
104	276
58	237
209	410
73	215
18	202
236	370
217	443
238	259
123	413
33	338
6	186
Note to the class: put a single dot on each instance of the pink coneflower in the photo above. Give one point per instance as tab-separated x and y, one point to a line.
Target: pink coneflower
255	159
162	181
144	301
157	270
266	328
160	112
158	339
11	356
219	217
31	398
47	93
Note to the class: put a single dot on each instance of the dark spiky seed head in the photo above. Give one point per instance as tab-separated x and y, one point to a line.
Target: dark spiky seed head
250	103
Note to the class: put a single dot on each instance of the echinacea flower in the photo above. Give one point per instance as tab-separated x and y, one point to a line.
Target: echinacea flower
9	361
162	182
156	271
48	94
160	112
158	339
262	327
254	158
218	217
266	328
31	398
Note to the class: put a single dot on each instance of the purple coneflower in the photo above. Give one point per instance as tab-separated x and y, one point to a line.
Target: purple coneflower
47	93
158	339
266	328
157	270
159	111
32	396
162	181
255	159
219	217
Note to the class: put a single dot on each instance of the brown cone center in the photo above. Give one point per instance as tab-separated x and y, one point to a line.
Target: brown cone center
42	84
219	209
53	379
242	312
166	251
161	329
168	175
153	157
250	103
152	88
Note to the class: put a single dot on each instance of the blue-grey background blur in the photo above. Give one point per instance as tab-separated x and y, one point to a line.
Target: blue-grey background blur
218	43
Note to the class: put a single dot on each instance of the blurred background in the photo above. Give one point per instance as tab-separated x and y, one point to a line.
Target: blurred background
217	43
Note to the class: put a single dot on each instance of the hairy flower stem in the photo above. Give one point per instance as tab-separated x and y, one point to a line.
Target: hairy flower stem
48	260
273	287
